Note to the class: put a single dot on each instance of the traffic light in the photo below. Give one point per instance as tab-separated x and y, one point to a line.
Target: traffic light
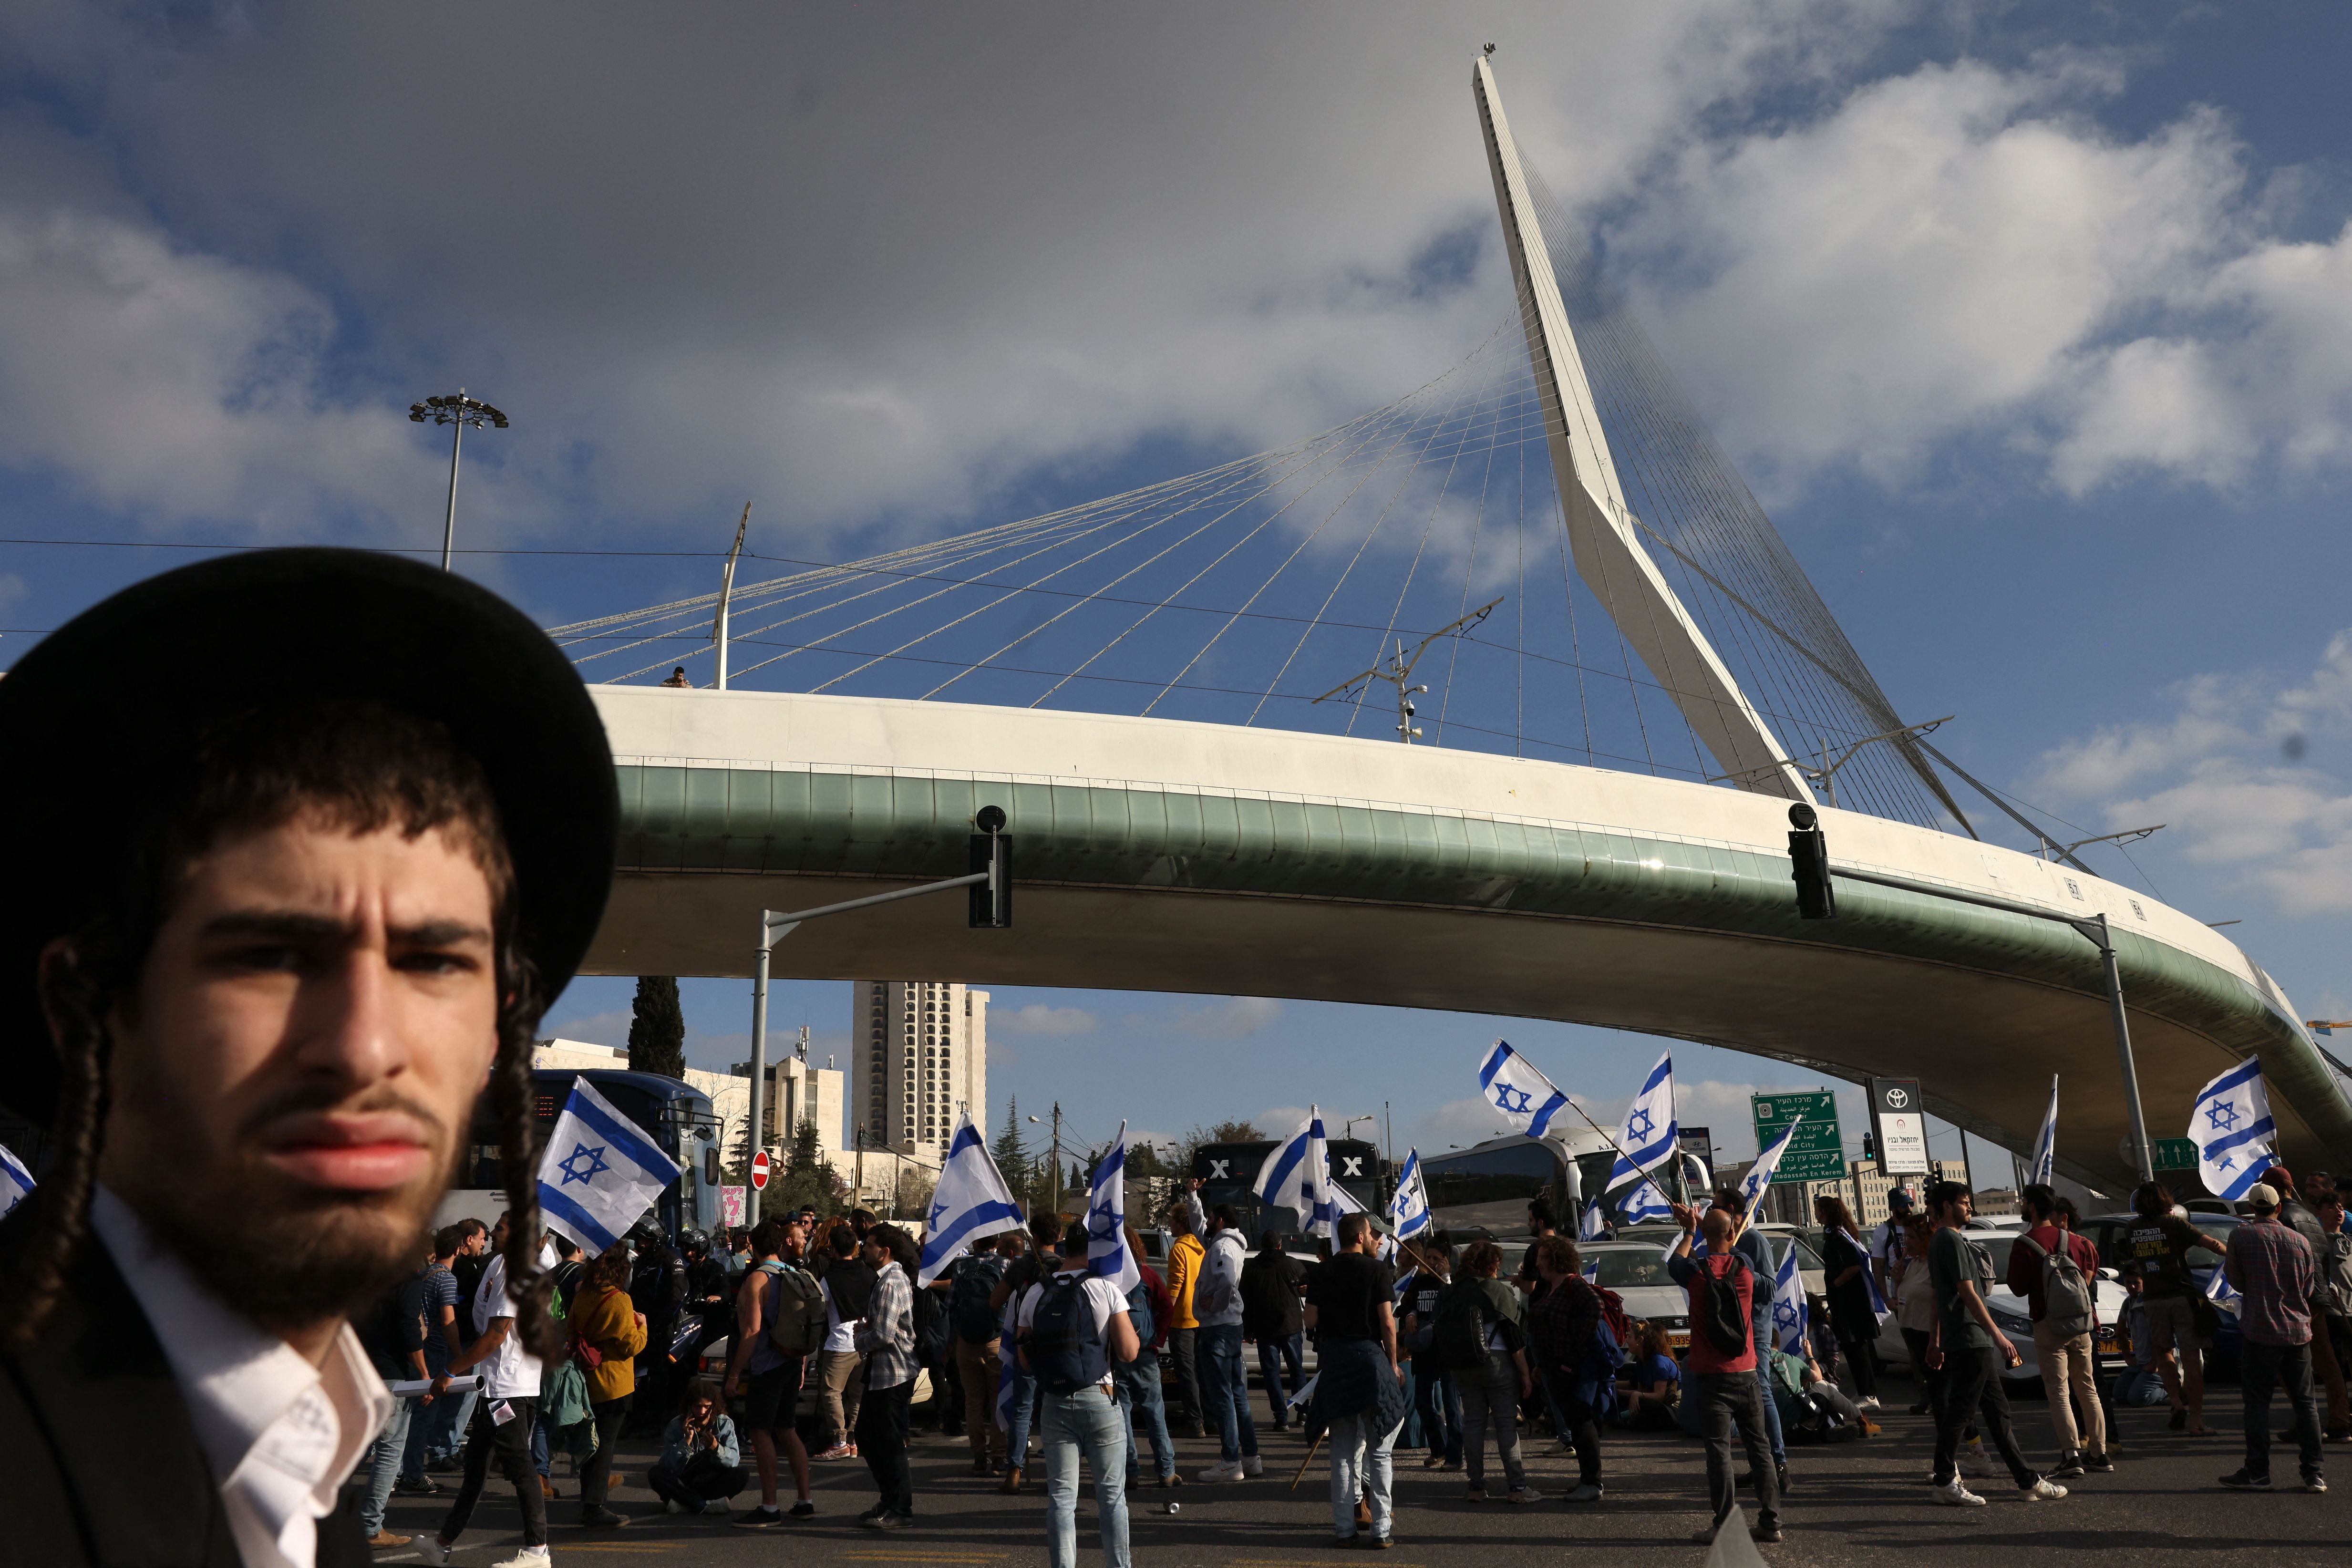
1809	856
992	851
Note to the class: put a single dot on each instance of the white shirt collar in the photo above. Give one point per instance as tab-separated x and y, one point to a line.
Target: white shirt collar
281	1435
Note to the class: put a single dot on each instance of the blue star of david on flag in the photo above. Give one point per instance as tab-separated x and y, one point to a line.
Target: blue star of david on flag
971	1202
1509	1099
1527	1098
581	1154
2235	1148
1650	1136
2224	1117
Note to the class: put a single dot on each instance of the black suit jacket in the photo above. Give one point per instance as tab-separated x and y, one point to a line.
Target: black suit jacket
100	1464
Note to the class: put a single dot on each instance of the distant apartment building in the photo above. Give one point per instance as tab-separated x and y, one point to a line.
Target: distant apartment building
919	1056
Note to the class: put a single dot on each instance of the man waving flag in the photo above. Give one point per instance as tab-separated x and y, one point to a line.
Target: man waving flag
971	1201
1517	1090
600	1171
2232	1129
1409	1210
1106	1249
1297	1175
1649	1136
1759	1179
2044	1159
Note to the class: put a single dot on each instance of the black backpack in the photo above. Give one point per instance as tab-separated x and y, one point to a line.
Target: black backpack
1065	1349
1721	1318
976	1278
930	1327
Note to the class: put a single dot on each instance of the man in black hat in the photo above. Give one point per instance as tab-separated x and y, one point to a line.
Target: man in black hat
289	887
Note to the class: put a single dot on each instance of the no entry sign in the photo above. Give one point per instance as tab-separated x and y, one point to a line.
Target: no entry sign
759	1169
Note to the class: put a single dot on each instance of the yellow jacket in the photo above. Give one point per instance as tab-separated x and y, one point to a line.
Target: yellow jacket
608	1320
1183	1272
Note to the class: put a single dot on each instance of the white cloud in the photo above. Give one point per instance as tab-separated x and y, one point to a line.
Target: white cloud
1037	1018
595	1028
1228	1018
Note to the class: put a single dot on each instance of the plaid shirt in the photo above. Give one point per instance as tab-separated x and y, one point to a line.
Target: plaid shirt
2273	1268
887	1339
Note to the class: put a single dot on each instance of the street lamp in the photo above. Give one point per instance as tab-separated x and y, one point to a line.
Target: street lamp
457	413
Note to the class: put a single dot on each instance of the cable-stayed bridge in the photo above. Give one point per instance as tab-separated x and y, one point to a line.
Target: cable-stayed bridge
1493	699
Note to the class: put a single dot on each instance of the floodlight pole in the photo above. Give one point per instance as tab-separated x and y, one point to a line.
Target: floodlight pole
449	522
455	411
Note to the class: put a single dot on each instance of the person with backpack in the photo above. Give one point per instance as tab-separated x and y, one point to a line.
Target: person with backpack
1271	1282
1482	1338
1969	1347
2055	1270
606	1334
1072	1329
1044	1236
846	1282
1723	1287
1435	1400
1149	1307
778	1321
1576	1351
1757	1248
886	1337
975	1326
1217	1306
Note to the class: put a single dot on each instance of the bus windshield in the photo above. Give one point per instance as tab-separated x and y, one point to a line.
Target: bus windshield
1490	1188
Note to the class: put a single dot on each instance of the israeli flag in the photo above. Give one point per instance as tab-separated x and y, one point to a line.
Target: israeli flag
1759	1179
1877	1301
1297	1175
1107	1253
1649	1136
1789	1304
1592	1272
1594	1225
1408	1209
600	1171
2044	1159
2232	1129
1518	1090
971	1201
1008	1380
17	1183
1642	1203
2221	1293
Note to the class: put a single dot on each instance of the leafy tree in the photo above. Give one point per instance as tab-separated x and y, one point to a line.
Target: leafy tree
658	1028
808	1178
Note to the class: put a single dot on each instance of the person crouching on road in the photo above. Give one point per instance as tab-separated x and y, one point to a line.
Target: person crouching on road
1723	1287
701	1464
1072	1330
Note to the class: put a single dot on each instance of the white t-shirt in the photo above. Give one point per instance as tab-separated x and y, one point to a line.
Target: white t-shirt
511	1372
1101	1295
838	1336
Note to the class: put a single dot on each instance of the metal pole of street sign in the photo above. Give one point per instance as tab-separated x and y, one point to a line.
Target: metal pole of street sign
2092	929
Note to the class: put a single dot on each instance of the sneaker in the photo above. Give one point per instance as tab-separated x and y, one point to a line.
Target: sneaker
1382	1542
1172	1479
871	1514
593	1517
671	1505
1476	1494
1586	1491
429	1547
838	1451
528	1557
980	1465
2098	1464
384	1540
1958	1495
893	1522
2042	1490
2314	1482
1231	1471
716	1505
1451	1466
1870	1403
1523	1494
415	1486
2070	1465
1766	1534
1252	1466
804	1509
1976	1462
765	1517
2240	1479
1431	1462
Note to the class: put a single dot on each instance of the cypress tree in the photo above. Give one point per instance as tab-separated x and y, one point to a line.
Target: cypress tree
658	1028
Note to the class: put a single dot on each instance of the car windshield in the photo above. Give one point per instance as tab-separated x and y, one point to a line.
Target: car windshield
1633	1266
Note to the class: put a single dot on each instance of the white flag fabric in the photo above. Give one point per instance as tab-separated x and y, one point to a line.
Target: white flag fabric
1297	1175
2044	1159
2223	1294
600	1171
970	1202
2232	1129
1518	1090
1649	1136
1594	1225
1408	1209
1759	1179
1106	1249
17	1183
1788	1303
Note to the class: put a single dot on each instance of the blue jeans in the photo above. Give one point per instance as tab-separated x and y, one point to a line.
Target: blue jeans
1226	1388
1440	1407
1138	1391
446	1423
1024	1403
1763	1332
382	1464
1361	1465
541	1459
1275	1353
1091	1424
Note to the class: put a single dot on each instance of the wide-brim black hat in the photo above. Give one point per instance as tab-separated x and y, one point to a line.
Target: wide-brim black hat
99	709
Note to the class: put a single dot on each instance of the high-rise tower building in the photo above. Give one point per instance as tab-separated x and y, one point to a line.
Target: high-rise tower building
920	1055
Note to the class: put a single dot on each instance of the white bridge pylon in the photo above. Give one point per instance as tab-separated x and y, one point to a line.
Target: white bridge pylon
1600	526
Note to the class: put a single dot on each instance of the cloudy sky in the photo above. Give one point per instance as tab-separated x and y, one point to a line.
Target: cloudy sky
2029	324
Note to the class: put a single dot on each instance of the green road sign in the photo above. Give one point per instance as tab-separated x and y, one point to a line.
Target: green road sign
1815	1152
2175	1154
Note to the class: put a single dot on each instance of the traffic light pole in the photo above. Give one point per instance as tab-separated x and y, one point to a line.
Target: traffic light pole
2092	929
989	908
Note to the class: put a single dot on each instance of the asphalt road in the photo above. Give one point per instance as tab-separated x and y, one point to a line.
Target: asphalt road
1856	1503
